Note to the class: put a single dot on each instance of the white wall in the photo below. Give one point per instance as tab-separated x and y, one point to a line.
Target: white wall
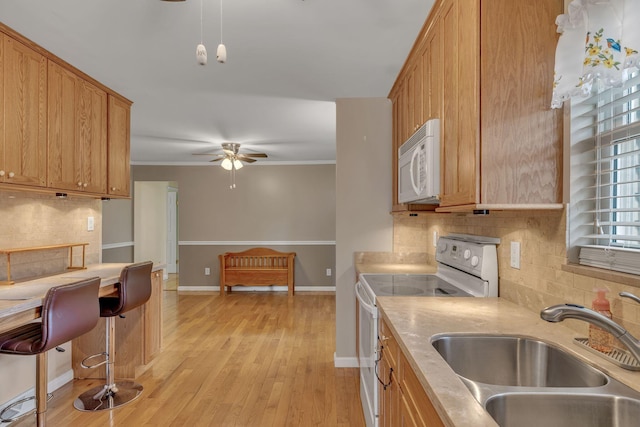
150	221
363	203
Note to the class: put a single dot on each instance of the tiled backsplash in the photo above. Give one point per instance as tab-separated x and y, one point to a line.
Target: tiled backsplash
29	219
540	281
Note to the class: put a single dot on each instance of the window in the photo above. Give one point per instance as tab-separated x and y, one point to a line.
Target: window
604	213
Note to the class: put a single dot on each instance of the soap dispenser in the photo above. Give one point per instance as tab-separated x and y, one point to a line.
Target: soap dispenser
600	339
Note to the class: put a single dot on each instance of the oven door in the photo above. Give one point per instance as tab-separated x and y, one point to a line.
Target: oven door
367	341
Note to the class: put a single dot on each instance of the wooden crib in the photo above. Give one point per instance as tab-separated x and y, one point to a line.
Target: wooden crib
257	267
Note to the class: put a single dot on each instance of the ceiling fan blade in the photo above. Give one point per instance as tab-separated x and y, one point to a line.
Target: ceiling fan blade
216	160
245	159
207	154
260	155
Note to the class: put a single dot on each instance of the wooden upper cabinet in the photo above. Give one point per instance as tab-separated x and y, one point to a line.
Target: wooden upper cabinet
503	149
54	125
432	72
77	136
118	152
487	74
23	143
460	116
415	116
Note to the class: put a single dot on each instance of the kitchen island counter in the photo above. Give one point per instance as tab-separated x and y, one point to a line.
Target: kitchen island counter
21	302
414	321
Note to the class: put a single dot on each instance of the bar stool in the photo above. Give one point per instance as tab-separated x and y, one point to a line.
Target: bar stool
133	290
68	311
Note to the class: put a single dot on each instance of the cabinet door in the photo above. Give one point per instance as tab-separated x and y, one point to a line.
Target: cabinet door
521	136
416	408
118	170
396	108
64	167
414	97
153	318
77	133
91	126
432	74
24	126
460	128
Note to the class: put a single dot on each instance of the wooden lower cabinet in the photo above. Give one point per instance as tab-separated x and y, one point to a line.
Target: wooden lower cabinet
153	319
402	400
138	338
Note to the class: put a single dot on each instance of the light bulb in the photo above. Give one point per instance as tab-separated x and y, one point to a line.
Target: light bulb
201	54
237	163
226	164
221	54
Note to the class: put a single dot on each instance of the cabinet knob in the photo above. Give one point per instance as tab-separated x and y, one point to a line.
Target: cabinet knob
2	173
79	184
85	185
11	174
113	188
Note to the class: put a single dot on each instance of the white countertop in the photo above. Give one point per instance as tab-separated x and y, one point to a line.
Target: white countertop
415	320
27	295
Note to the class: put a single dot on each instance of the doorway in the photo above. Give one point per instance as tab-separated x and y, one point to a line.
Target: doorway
155	224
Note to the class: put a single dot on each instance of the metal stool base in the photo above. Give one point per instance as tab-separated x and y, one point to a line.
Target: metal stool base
104	398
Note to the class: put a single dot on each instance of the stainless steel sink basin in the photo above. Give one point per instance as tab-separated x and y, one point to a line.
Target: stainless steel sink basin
568	410
515	361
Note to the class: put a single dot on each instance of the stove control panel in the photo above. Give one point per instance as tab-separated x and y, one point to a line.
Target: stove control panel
479	258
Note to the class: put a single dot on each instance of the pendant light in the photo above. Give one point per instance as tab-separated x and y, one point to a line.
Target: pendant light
201	51
221	54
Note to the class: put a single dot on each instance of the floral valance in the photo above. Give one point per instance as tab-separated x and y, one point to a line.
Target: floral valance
600	39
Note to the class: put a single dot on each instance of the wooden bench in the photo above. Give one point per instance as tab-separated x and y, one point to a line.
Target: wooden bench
257	267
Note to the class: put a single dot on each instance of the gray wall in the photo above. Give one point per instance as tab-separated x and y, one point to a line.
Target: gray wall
117	229
294	204
363	203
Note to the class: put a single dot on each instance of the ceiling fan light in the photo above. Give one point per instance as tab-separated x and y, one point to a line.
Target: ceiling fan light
221	54
226	164
201	54
237	163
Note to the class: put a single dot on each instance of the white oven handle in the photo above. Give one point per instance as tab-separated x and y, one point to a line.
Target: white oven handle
371	309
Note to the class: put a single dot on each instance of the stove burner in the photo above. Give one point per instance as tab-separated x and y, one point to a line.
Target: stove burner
400	290
411	285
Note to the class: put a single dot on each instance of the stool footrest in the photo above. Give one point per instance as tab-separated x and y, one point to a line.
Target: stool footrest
104	362
16	403
106	397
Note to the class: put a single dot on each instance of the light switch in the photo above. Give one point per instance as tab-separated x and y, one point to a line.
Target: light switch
90	223
515	255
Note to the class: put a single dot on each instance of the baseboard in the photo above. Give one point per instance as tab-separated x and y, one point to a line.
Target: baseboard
52	386
257	288
345	362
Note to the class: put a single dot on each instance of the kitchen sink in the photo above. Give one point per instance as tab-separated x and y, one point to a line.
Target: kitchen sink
515	361
579	410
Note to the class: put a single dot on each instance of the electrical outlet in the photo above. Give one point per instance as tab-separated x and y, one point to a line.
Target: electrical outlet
515	255
90	223
435	239
207	271
328	272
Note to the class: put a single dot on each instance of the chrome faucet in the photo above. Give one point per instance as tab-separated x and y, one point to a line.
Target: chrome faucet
560	312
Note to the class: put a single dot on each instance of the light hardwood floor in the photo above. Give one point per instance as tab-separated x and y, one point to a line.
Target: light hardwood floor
246	359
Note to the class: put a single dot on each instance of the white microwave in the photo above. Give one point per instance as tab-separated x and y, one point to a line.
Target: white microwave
419	166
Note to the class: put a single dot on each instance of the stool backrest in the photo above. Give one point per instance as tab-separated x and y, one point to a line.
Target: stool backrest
69	311
135	285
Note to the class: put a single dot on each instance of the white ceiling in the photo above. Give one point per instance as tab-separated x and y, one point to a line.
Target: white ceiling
288	61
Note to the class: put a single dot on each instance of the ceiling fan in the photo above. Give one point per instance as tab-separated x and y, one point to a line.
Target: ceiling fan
232	158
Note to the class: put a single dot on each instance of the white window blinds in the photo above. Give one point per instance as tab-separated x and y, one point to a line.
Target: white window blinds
605	176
